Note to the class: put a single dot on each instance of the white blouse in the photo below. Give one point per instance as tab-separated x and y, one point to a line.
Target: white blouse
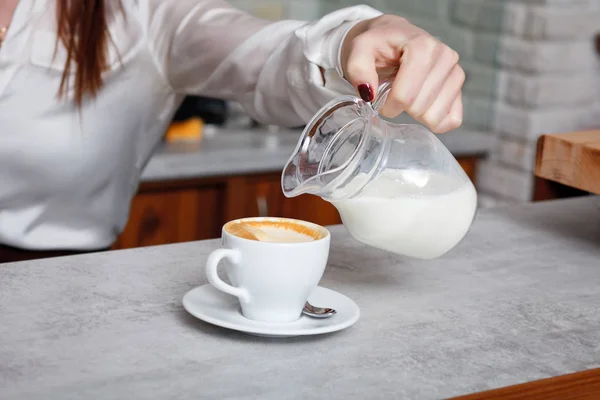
67	176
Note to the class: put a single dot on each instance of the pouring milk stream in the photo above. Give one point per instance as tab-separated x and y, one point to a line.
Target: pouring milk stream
396	187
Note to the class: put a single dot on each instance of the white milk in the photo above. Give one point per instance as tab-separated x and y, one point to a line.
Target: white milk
419	214
280	235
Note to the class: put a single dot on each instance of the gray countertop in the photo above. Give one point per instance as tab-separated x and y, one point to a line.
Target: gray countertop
516	301
253	151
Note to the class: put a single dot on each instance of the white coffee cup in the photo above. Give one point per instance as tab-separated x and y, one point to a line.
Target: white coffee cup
274	276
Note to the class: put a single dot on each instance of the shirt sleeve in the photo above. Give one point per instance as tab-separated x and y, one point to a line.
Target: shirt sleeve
273	69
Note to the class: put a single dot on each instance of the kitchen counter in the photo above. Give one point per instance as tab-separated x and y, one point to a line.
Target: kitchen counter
230	152
516	301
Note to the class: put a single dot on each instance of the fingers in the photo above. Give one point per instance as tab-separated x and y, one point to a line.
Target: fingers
361	69
428	85
434	83
444	100
454	117
418	58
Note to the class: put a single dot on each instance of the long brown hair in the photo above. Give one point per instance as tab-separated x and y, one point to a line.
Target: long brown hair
83	31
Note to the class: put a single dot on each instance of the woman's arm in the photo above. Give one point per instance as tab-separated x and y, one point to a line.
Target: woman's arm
281	72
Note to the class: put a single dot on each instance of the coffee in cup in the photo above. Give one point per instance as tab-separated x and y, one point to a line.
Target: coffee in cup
274	230
273	265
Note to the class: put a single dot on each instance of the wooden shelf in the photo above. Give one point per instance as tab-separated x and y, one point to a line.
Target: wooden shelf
571	159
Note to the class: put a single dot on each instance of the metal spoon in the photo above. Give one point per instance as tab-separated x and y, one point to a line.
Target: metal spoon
317	312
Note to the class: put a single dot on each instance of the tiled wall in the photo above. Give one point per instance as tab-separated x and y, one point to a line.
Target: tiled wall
531	69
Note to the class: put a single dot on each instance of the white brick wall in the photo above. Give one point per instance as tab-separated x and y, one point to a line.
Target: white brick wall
536	56
504	182
515	153
528	19
531	69
529	124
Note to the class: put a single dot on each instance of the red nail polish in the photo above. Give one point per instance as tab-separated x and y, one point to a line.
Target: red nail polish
366	93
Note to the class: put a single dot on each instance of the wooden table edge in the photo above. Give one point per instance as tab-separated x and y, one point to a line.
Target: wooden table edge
582	385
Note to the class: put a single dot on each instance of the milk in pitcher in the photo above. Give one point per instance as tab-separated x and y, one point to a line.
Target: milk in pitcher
420	214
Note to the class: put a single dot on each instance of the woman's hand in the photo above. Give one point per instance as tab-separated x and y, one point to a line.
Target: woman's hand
427	78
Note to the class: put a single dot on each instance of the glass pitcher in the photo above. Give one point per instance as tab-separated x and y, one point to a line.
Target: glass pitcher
396	187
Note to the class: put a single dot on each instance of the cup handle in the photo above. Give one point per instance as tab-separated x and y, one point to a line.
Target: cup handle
212	273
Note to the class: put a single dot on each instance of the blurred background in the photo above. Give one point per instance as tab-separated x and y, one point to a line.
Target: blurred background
532	68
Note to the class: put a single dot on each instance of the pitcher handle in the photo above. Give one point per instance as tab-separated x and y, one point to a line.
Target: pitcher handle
382	95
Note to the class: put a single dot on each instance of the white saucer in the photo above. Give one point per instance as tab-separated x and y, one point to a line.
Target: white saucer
218	308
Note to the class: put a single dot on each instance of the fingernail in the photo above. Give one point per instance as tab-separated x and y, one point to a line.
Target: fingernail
365	91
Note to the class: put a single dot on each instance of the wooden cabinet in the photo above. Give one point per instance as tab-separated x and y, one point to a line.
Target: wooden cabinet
171	212
187	210
261	196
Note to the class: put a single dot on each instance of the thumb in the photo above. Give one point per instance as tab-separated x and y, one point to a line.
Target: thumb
361	71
